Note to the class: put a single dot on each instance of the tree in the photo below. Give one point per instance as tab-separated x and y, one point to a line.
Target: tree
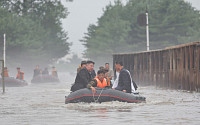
171	22
34	30
107	38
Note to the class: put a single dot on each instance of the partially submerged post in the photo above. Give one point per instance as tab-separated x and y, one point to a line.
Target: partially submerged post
2	80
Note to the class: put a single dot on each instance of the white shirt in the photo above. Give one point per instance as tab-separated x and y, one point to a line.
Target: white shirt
132	87
115	84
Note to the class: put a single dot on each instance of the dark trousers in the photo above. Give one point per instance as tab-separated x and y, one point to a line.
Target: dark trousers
119	88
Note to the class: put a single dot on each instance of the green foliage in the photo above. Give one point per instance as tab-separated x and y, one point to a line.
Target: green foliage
171	22
34	31
109	36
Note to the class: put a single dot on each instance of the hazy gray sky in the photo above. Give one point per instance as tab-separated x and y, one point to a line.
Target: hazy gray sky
85	12
82	13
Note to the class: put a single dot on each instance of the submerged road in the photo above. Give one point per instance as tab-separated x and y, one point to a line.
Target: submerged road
44	104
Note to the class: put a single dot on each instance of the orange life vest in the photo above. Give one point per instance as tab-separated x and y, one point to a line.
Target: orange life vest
108	80
102	84
20	75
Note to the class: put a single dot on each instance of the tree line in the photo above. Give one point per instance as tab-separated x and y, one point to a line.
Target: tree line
34	32
171	22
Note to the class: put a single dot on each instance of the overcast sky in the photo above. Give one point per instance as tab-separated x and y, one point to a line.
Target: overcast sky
85	12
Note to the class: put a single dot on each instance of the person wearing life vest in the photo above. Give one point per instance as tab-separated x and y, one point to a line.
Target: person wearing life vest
20	74
99	81
5	72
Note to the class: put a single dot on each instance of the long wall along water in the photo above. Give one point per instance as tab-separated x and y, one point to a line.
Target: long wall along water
176	67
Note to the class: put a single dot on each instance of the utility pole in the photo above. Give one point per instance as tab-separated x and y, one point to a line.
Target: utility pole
4	50
147	29
143	20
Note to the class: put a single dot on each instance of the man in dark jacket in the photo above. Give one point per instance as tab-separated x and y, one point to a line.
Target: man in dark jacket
83	77
125	84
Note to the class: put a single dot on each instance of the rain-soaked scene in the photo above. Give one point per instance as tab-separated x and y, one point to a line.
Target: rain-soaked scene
66	62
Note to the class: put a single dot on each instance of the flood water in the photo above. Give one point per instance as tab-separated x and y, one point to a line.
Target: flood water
44	104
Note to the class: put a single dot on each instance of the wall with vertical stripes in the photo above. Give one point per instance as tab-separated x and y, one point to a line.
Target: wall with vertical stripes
176	67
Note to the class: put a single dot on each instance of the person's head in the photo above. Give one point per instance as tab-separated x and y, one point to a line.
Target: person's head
83	64
18	68
90	66
101	68
101	75
118	65
107	65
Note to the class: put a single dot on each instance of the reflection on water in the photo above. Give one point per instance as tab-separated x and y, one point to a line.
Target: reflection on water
44	105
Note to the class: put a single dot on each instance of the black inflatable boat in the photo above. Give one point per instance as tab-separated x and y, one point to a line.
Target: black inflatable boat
44	79
102	95
12	82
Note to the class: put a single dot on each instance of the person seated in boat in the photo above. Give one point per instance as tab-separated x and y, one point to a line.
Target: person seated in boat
45	72
125	82
81	66
5	71
83	77
54	72
36	71
99	81
101	68
110	71
106	76
20	74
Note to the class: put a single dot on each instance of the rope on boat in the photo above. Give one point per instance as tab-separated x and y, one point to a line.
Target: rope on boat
98	96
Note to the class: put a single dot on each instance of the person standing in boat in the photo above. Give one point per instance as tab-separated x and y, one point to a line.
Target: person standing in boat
106	76
20	74
45	72
99	81
125	83
36	71
83	77
110	71
83	64
5	72
54	72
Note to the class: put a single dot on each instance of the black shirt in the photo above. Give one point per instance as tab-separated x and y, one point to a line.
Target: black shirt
83	77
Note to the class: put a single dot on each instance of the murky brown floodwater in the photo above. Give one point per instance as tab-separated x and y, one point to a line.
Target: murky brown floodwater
44	105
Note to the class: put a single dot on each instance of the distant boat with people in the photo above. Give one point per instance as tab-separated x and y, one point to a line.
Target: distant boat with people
103	95
45	79
40	76
13	82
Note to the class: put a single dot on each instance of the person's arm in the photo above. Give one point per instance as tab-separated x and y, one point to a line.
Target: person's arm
112	75
91	85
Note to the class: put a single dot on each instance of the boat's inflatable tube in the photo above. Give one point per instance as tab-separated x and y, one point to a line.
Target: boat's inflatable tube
44	79
12	82
102	95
